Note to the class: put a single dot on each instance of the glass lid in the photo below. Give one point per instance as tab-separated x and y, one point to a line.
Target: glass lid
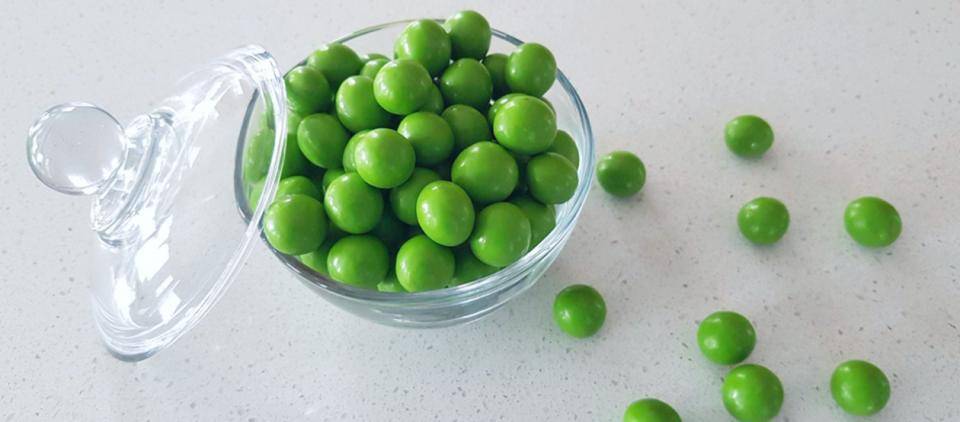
169	192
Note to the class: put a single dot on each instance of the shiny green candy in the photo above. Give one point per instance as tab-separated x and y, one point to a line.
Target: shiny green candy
430	135
298	185
551	178
650	410
424	265
357	108
564	145
317	260
353	205
361	261
468	82
434	103
543	218
872	222
496	65
426	42
526	125
349	164
445	213
371	67
763	220
498	104
860	388
579	310
295	224
748	136
468	268
329	176
469	34
336	61
752	393
726	338
403	198
621	173
502	234
384	158
402	86
531	69
486	171
469	126
322	138
308	91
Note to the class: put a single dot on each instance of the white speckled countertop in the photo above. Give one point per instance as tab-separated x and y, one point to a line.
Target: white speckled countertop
864	97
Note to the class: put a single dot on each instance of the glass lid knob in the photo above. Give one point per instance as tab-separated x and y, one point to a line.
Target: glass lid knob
76	148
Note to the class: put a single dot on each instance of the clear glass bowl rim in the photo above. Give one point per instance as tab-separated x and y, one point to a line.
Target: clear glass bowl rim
498	280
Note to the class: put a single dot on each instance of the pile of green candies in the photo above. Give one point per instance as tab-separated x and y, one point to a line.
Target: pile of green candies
426	171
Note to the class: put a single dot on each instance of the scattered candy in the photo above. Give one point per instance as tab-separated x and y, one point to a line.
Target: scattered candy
872	222
860	388
752	393
748	136
726	338
763	220
579	310
650	410
621	173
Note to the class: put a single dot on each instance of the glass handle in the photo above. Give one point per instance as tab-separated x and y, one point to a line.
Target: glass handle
76	148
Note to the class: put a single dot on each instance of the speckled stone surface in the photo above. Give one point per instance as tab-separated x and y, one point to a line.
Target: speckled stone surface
864	98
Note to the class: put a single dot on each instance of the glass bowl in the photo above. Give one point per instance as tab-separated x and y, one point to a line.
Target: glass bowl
466	302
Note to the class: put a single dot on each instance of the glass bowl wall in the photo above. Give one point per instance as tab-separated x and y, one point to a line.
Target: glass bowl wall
467	302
